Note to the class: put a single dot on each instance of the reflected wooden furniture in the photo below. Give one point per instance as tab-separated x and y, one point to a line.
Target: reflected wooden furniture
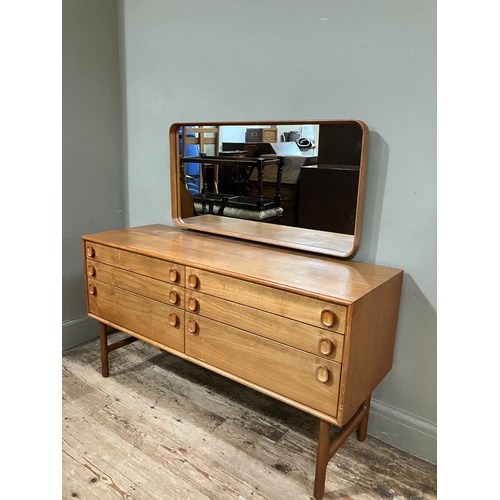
318	336
328	198
288	189
233	182
207	200
341	142
233	179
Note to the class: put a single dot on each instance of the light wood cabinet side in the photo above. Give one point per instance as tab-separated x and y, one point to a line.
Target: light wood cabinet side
369	344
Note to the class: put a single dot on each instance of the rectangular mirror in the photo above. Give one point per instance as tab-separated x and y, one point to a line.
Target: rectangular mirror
296	184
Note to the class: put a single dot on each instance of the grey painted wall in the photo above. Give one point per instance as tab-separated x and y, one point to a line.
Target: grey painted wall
289	59
92	175
264	60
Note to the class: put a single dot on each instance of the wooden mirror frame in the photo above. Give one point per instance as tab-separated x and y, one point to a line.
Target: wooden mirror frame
317	241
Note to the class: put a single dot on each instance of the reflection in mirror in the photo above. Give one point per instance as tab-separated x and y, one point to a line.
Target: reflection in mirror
303	181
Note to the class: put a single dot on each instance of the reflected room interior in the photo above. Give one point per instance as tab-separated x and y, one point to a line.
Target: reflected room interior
305	176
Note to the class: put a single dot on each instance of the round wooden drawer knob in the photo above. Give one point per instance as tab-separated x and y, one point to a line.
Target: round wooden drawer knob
192	326
173	275
192	304
327	318
322	374
92	290
90	251
173	296
325	347
173	319
90	270
192	281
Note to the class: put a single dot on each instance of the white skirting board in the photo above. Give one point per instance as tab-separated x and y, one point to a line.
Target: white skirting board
78	331
403	430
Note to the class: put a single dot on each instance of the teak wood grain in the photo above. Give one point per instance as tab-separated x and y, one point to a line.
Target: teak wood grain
290	305
135	262
157	289
147	317
308	330
291	373
310	240
271	326
369	316
300	272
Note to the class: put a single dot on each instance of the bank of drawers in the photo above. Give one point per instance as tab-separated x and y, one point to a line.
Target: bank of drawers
139	293
290	305
284	342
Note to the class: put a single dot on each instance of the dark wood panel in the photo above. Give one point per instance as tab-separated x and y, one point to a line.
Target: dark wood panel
328	198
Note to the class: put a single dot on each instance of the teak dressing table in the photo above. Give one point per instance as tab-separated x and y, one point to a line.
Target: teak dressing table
277	308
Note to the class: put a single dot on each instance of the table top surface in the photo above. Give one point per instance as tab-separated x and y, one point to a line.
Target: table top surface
305	273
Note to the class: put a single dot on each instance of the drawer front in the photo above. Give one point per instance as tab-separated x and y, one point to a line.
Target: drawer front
140	264
137	283
157	321
298	307
273	366
314	340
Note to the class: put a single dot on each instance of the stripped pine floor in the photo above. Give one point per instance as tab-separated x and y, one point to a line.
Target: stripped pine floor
162	428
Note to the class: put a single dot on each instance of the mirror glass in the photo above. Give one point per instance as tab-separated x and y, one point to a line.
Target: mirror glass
297	184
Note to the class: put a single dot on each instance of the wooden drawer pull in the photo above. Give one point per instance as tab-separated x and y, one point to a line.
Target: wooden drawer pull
92	290
322	374
327	317
173	275
192	326
173	296
193	281
325	347
192	304
90	270
173	319
90	251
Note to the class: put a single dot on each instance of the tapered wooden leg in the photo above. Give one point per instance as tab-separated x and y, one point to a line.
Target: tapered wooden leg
322	459
327	449
103	335
362	429
106	349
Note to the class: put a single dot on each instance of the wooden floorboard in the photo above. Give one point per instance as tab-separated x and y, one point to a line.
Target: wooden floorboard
161	428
